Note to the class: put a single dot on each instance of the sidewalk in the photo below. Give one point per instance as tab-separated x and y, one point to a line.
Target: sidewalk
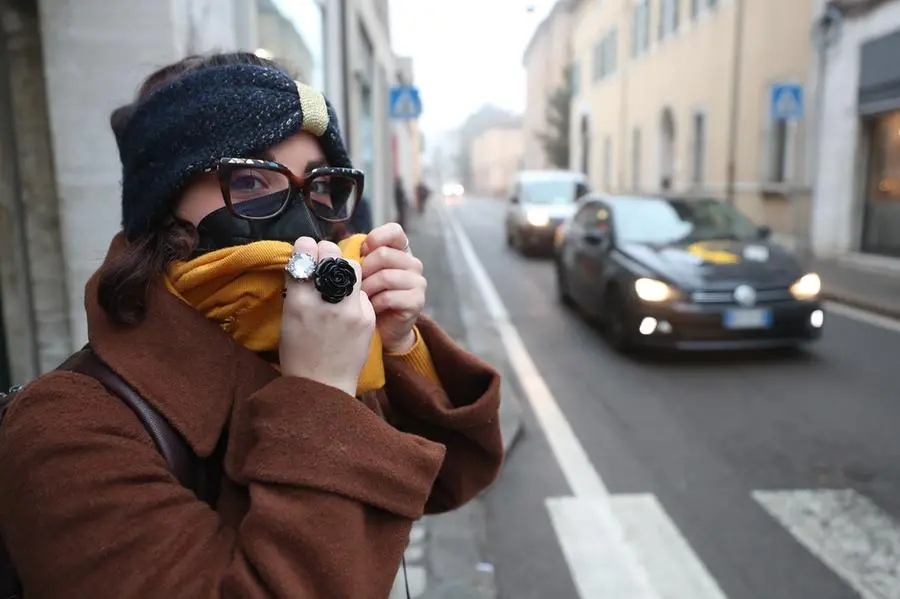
866	282
447	558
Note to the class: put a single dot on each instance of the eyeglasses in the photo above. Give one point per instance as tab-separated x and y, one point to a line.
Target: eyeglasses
262	189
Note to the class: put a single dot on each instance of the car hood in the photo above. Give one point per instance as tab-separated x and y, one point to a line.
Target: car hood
553	211
718	264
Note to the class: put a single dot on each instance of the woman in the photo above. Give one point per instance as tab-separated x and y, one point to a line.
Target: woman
226	179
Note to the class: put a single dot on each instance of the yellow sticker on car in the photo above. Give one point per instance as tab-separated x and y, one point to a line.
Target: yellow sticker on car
708	252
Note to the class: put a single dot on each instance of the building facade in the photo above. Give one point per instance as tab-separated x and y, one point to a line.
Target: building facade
65	65
547	60
856	206
280	39
496	156
675	95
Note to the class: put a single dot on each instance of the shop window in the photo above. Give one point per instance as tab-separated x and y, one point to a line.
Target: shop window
881	228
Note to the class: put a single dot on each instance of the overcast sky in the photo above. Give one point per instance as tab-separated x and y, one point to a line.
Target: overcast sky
465	53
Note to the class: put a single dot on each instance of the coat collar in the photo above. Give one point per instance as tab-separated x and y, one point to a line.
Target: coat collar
184	365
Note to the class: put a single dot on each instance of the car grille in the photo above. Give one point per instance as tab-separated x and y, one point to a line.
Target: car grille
763	296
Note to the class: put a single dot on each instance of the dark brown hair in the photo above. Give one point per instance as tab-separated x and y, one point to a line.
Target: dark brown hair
125	278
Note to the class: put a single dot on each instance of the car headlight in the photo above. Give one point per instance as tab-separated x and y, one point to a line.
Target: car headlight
807	287
537	218
651	290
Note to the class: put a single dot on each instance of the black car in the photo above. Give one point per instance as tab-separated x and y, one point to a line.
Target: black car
684	273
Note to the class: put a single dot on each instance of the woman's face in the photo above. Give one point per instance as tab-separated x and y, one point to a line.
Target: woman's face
300	153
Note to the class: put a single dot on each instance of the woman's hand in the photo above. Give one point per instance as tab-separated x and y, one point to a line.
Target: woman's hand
392	278
324	342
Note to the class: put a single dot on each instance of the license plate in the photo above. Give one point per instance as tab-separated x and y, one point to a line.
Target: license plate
748	319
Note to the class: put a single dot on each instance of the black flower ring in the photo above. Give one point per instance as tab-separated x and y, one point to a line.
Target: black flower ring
334	278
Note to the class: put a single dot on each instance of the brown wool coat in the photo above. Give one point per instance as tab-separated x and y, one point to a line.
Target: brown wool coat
320	494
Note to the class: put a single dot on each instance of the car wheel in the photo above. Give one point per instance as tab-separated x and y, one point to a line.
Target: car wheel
562	287
615	320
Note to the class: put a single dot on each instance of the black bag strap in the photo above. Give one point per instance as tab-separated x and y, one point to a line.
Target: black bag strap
200	476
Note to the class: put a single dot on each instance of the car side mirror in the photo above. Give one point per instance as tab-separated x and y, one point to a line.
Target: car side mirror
764	232
514	200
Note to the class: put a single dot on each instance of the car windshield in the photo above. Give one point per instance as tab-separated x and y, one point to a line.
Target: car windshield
558	191
662	221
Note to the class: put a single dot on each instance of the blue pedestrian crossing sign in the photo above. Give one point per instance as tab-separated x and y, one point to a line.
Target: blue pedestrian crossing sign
405	103
787	102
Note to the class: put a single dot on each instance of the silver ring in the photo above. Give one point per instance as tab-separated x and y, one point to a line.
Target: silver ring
301	267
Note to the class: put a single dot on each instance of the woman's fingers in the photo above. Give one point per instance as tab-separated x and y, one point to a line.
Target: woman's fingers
406	300
392	279
388	235
385	257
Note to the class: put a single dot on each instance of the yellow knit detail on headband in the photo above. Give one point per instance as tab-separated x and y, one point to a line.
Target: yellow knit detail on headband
315	112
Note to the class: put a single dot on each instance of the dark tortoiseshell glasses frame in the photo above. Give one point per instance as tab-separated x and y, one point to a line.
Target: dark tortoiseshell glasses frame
298	185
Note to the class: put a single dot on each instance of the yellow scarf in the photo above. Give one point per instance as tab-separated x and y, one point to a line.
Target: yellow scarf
240	288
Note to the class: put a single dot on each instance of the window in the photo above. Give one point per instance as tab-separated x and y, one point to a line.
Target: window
668	17
698	153
640	28
662	221
636	159
779	153
607	162
605	56
610	55
549	191
575	74
882	199
599	62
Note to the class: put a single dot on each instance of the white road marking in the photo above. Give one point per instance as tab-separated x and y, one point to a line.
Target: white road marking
602	561
593	544
846	531
870	318
650	529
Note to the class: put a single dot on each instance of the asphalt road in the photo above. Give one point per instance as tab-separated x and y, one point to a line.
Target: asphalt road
708	436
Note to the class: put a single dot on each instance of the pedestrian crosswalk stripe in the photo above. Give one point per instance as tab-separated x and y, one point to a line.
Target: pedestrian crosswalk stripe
594	546
846	531
675	571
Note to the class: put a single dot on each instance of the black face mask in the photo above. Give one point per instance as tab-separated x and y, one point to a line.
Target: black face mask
221	229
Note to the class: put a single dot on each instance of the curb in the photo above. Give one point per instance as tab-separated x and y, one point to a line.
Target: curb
860	304
483	339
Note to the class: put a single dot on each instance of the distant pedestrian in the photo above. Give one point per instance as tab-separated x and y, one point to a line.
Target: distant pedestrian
422	195
400	201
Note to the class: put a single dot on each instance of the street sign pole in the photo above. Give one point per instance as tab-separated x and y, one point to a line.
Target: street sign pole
786	105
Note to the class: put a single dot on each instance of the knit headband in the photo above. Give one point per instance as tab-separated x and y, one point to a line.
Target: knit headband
186	126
